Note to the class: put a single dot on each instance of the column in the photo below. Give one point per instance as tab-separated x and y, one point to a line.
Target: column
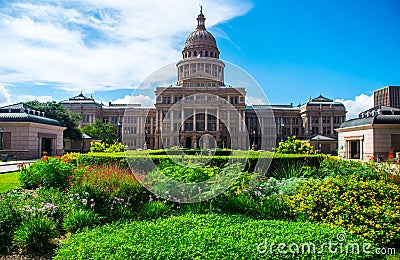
194	119
291	125
172	120
182	119
217	119
151	124
157	121
331	125
320	124
206	119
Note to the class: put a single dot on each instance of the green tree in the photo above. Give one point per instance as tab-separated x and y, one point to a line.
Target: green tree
294	146
56	111
105	132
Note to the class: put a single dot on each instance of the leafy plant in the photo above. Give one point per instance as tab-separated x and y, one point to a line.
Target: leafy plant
35	234
208	236
77	220
154	209
294	146
366	207
48	172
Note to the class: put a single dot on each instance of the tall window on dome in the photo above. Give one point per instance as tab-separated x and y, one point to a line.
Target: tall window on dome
195	53
190	54
206	54
211	54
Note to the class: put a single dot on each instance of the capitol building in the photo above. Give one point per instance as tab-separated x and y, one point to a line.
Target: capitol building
201	111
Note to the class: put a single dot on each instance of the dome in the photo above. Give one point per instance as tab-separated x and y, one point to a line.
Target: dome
200	38
200	43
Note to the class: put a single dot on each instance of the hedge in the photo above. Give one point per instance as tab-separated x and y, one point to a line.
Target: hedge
259	159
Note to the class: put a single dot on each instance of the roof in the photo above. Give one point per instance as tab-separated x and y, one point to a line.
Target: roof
373	120
25	117
322	101
21	112
322	138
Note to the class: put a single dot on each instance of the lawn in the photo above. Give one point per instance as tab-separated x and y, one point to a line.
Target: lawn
9	181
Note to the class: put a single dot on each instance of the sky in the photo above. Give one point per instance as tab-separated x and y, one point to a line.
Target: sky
294	50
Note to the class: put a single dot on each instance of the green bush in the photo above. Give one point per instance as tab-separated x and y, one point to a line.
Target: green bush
154	209
10	218
203	237
144	158
77	220
253	205
364	206
35	234
48	172
294	146
110	187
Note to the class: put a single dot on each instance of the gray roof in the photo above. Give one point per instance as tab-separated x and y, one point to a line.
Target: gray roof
24	117
373	120
322	138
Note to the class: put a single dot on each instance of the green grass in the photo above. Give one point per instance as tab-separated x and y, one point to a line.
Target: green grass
196	236
9	181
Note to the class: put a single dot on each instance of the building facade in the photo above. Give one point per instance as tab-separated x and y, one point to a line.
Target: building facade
373	135
201	111
388	96
26	133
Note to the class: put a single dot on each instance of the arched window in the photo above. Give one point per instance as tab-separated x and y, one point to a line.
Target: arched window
190	54
201	53
206	53
195	53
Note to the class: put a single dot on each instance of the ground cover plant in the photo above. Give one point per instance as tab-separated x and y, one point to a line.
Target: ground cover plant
208	236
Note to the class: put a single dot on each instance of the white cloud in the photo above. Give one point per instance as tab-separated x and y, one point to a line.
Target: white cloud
4	96
359	104
98	44
255	101
139	99
25	98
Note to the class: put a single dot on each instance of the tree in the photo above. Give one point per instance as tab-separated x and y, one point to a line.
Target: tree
56	111
294	146
105	132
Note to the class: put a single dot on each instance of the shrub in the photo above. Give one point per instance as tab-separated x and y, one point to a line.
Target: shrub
154	209
366	207
70	158
10	218
110	186
48	172
294	146
100	147
76	220
286	170
204	237
35	234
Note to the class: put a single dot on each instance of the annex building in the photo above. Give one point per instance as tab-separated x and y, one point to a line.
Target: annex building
201	111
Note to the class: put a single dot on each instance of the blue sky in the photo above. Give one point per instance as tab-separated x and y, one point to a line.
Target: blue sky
52	50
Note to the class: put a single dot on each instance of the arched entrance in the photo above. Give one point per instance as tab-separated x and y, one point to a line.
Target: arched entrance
188	142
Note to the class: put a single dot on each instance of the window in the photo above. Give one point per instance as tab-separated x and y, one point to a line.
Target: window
295	131
326	130
166	100
177	99
234	100
314	120
315	130
295	121
105	119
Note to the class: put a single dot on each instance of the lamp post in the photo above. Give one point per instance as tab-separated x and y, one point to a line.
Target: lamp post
282	125
146	132
119	124
254	146
1	138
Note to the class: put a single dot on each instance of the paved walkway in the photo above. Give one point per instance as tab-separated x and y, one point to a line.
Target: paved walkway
12	166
